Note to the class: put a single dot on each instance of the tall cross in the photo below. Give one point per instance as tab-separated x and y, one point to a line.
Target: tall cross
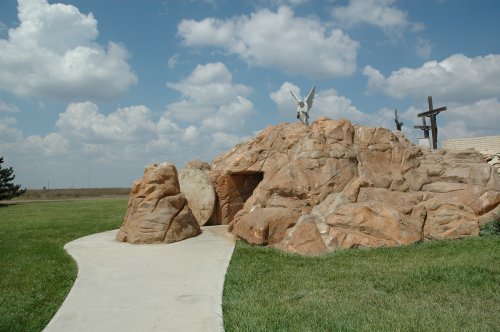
431	113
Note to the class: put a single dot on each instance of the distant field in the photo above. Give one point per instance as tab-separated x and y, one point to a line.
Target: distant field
56	194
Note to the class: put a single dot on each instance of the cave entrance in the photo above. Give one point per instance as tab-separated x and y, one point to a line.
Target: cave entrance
234	190
245	184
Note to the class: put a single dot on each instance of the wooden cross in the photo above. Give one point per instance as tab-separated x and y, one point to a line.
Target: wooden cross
431	113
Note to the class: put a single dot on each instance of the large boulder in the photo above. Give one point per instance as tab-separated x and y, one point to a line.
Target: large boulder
196	185
158	211
310	189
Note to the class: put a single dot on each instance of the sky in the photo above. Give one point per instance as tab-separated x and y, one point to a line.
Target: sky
91	91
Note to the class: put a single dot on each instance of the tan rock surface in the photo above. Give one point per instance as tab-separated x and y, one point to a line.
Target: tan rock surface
198	164
306	237
199	192
359	186
157	210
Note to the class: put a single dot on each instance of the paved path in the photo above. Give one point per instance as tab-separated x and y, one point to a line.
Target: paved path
155	287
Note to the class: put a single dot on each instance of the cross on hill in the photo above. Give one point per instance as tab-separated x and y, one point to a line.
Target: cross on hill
431	113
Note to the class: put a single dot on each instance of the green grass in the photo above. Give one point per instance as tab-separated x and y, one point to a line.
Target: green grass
438	286
431	286
36	274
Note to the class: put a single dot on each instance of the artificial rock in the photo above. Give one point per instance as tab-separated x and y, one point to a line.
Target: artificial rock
199	192
158	211
311	189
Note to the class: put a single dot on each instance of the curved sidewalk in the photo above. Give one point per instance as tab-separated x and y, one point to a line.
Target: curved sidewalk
154	287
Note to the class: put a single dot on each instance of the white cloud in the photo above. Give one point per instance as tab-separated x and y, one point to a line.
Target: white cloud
8	108
221	140
9	133
284	100
210	96
379	13
455	79
128	124
480	118
132	136
326	103
330	104
12	140
287	2
230	117
53	144
53	53
129	138
376	80
297	45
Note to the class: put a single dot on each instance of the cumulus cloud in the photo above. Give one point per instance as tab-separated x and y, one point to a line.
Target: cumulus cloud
131	137
128	134
53	53
128	124
480	118
384	15
292	3
211	97
326	103
12	139
297	45
380	13
457	78
53	144
9	133
284	100
221	140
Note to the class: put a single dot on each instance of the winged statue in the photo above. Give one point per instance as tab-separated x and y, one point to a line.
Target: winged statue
303	108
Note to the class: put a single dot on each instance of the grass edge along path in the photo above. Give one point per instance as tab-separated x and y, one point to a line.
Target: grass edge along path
451	285
36	273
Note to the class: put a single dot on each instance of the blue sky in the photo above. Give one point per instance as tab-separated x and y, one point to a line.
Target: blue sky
139	82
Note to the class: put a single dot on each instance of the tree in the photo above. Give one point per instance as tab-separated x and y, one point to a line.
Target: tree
8	190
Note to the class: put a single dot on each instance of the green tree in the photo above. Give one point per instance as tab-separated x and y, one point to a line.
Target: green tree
8	190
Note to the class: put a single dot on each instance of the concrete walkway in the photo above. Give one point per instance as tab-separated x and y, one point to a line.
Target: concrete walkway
155	287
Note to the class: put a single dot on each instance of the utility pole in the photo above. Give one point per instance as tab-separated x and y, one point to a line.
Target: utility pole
89	165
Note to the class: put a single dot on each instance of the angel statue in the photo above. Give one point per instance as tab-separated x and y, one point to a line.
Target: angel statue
303	109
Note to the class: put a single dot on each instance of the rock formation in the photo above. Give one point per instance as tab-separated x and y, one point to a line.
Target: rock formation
310	189
494	160
199	192
157	210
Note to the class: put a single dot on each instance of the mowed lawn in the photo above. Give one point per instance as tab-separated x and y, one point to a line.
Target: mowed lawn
36	273
433	286
449	285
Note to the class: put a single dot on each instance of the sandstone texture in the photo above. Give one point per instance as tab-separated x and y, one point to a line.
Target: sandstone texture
311	189
158	212
199	192
494	160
